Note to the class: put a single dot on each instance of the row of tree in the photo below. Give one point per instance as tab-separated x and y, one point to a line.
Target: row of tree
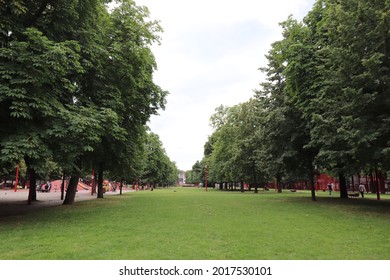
157	168
76	89
324	106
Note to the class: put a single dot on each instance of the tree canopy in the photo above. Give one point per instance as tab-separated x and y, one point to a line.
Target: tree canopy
323	106
76	85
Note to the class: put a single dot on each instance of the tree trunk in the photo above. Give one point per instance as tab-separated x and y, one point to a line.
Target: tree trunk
279	183
378	196
72	185
254	178
71	190
343	186
100	180
93	190
371	183
121	186
63	187
312	184
32	192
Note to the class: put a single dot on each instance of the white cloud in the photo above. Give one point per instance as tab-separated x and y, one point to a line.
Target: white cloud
210	54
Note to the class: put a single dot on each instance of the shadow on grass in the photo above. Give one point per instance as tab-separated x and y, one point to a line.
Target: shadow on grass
358	205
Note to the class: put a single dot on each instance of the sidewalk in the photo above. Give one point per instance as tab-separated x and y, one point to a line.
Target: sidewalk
15	203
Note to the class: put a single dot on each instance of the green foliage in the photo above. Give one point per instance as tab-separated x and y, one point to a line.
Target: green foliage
34	76
119	79
158	168
355	77
196	174
228	153
324	104
76	83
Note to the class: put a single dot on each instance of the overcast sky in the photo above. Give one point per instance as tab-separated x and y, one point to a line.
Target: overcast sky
209	55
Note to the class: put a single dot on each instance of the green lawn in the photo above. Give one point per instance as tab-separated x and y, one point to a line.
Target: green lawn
191	224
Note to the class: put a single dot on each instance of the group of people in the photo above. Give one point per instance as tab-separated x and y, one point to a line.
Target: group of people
362	189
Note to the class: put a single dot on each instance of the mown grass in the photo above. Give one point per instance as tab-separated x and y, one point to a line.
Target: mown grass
191	224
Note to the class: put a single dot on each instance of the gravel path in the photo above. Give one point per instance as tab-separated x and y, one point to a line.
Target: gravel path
15	203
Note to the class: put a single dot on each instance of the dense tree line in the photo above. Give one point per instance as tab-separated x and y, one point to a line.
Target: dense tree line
196	174
324	106
76	88
158	168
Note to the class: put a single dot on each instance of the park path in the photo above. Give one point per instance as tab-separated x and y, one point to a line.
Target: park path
15	203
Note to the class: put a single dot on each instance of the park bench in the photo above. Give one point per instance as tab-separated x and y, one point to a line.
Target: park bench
43	188
353	194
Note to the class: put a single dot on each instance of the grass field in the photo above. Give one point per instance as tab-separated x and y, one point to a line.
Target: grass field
191	224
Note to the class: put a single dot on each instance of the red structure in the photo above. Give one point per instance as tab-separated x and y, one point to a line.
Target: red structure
323	180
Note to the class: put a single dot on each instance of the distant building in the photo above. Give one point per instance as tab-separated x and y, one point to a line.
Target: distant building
181	178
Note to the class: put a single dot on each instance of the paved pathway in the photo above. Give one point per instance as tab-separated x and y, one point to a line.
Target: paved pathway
15	203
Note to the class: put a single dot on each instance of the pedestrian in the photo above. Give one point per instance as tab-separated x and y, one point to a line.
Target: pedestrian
362	189
48	185
330	189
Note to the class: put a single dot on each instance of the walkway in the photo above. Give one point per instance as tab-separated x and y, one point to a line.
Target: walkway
15	203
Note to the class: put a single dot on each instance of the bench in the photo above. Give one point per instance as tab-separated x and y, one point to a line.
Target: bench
43	188
353	195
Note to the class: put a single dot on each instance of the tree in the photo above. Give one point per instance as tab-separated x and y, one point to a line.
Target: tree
196	174
159	169
284	130
123	82
228	153
350	118
32	66
60	100
323	106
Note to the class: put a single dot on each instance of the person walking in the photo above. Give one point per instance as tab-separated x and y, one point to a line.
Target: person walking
362	189
330	189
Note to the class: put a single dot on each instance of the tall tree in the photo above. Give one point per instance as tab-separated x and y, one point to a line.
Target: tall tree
284	130
33	79
123	82
60	100
159	169
350	118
